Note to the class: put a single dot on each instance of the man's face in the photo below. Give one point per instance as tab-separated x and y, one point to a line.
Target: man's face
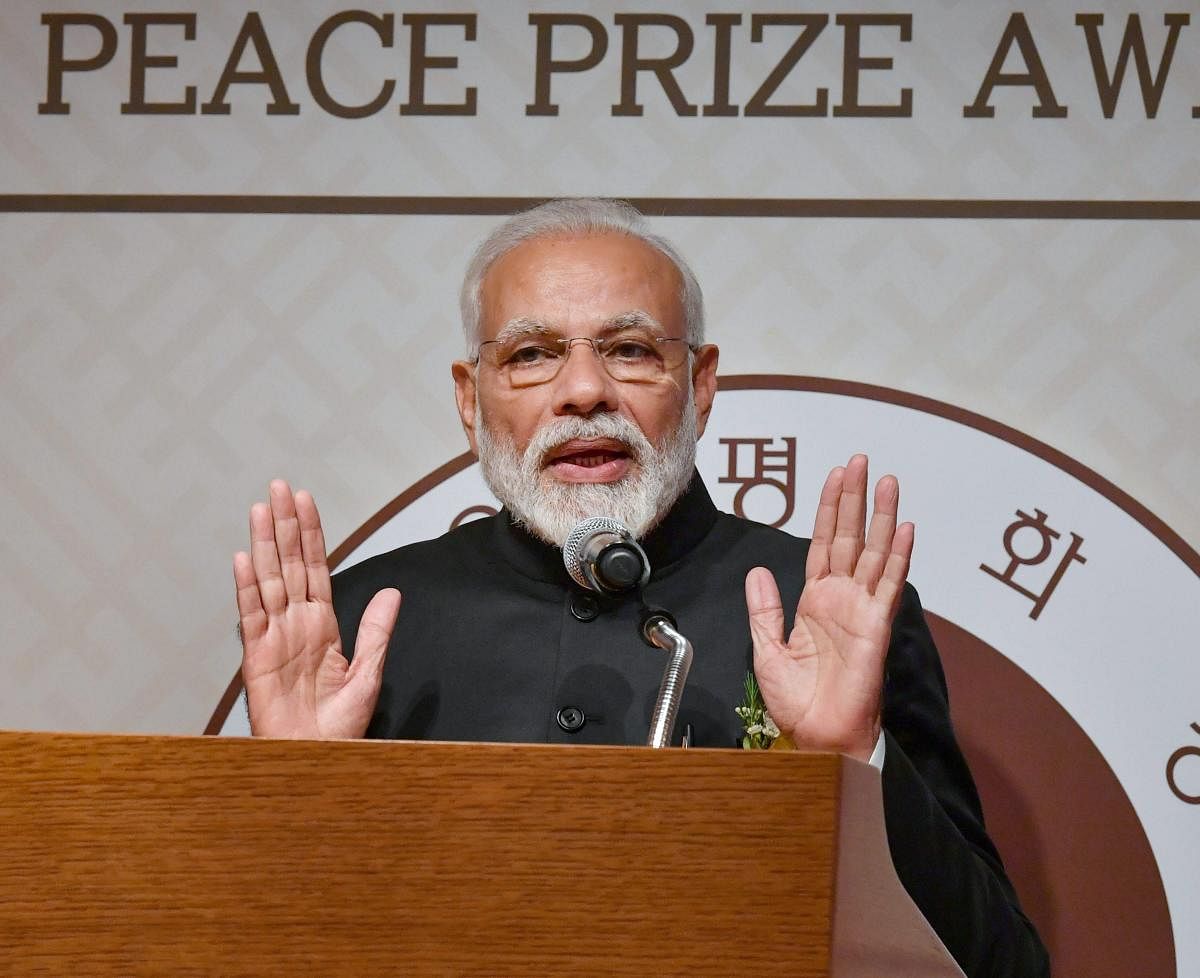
573	287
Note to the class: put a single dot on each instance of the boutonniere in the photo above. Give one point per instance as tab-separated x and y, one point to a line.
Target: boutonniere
759	730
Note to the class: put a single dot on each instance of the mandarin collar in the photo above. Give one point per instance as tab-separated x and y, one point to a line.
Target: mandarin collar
680	532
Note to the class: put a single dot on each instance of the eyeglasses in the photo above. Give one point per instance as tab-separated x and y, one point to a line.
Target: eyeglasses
628	355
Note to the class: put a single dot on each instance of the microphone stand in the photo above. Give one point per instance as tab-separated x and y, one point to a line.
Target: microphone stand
602	555
658	629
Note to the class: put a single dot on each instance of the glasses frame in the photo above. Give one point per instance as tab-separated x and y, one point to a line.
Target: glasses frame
592	341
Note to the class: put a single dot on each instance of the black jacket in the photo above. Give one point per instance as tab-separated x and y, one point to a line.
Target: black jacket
494	642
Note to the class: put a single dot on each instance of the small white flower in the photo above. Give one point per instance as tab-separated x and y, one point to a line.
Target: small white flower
760	731
769	727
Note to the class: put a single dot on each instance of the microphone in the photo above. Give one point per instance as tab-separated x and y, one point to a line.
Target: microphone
601	555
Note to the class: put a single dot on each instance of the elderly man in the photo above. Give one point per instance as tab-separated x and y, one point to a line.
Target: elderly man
587	387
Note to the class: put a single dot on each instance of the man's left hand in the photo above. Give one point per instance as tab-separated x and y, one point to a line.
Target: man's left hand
823	686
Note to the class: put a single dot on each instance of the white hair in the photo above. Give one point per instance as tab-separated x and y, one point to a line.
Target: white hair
574	216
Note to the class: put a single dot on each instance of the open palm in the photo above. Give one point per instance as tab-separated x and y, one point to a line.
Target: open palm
823	683
298	682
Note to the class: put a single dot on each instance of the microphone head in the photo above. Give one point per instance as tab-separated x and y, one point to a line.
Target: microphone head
580	536
601	554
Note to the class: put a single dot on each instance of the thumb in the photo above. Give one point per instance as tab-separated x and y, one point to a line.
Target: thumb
374	633
765	609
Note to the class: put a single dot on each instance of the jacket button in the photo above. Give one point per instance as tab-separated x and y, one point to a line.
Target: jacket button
571	718
584	607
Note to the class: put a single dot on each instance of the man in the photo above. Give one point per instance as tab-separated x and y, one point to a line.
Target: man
587	387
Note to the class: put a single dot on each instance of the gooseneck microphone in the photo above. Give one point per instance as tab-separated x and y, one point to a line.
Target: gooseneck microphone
601	555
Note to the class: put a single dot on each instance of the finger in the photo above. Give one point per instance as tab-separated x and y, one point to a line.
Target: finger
765	609
287	540
879	535
848	539
370	647
312	548
264	557
895	572
817	564
251	617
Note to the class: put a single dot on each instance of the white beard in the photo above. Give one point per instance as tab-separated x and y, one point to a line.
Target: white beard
549	509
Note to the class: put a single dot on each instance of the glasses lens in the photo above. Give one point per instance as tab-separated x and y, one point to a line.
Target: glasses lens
530	359
634	355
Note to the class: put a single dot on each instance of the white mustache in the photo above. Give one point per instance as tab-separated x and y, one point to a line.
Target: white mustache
550	437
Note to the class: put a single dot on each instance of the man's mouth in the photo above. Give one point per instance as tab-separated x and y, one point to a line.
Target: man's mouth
589	460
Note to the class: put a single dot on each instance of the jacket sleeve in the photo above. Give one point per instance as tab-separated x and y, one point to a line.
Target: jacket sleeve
935	827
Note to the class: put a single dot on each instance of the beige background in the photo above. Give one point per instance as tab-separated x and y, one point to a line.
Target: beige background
158	369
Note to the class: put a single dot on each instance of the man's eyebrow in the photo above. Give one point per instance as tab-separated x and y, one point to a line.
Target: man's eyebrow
526	325
634	319
521	326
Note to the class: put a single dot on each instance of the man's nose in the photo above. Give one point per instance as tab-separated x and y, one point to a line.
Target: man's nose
583	386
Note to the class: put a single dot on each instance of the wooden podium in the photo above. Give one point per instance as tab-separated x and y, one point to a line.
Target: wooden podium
215	856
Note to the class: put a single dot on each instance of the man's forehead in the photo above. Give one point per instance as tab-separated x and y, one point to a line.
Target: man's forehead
580	281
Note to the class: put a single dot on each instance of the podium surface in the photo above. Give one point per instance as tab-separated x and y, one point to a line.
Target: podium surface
217	856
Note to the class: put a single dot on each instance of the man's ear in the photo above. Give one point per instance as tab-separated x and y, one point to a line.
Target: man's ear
704	383
463	372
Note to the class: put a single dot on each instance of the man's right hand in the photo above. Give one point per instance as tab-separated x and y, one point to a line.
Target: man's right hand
298	682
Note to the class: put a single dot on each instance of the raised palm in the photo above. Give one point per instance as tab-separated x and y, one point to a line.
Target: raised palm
823	683
298	682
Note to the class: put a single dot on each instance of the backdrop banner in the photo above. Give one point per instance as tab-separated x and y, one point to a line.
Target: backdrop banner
961	238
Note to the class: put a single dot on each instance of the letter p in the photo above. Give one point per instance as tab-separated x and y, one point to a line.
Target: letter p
57	62
547	64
